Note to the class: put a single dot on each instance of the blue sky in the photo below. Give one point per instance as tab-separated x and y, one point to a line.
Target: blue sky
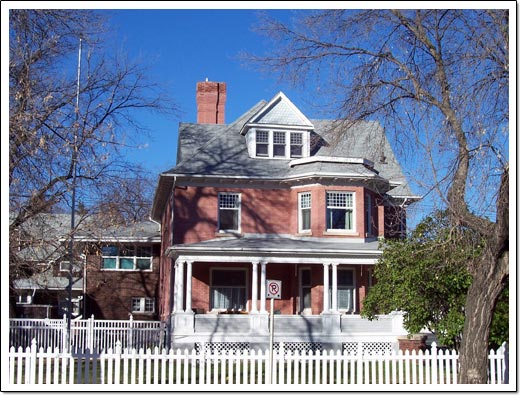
183	47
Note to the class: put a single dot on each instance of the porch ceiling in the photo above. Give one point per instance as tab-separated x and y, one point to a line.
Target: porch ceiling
279	248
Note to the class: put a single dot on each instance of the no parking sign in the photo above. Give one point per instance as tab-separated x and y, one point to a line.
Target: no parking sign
274	289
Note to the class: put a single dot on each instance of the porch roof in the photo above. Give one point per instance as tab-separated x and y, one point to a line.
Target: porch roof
278	247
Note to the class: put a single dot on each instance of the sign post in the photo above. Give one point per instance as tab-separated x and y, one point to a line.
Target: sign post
274	291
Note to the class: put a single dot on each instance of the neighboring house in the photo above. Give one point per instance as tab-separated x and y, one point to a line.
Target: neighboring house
122	272
114	274
276	196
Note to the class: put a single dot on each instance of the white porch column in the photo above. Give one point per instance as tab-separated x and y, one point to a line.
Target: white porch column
254	288
188	285
326	287
179	294
334	287
175	294
262	287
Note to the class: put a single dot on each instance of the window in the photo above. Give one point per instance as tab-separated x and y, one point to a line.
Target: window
279	144
368	215
346	289
229	212
304	212
143	305
262	143
25	297
305	293
340	211
228	289
127	257
64	267
296	145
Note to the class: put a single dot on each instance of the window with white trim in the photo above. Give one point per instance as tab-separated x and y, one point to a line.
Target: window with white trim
340	211
126	257
304	212
262	143
143	305
296	145
346	290
64	267
280	144
228	212
228	289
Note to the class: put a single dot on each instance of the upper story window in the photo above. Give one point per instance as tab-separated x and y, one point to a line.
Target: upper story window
65	266
228	212
127	257
340	211
304	212
280	144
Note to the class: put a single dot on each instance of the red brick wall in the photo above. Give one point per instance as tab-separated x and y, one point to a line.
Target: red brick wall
262	211
110	292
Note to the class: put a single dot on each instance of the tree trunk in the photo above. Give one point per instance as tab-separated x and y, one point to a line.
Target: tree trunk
488	282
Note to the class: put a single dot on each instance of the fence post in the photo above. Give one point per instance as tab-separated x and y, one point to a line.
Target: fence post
131	331
434	363
32	363
359	356
90	333
64	345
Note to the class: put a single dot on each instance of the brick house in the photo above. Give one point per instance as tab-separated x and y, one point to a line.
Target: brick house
115	271
275	196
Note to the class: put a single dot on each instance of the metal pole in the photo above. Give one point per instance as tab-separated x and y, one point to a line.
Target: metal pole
73	202
271	339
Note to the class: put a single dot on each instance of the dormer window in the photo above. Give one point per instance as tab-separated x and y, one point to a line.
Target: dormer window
262	143
280	144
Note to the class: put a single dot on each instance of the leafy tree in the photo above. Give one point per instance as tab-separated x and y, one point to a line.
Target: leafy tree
425	276
439	81
60	141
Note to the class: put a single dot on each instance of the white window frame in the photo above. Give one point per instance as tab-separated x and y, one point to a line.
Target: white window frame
353	208
238	209
270	145
119	257
26	297
143	305
212	286
64	267
301	201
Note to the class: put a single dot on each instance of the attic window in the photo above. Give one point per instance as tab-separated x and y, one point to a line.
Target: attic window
280	144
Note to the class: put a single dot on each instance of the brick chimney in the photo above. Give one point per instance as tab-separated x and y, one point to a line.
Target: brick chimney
211	101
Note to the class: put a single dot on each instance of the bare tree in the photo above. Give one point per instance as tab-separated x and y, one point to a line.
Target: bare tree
57	136
438	79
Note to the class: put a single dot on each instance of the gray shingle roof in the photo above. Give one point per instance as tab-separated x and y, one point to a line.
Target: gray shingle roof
221	151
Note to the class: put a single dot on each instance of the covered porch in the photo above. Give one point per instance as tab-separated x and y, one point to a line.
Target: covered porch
219	293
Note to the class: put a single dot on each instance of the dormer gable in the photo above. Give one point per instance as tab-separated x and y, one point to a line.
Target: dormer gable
278	130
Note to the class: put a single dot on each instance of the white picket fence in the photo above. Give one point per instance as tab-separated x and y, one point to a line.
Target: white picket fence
89	333
130	366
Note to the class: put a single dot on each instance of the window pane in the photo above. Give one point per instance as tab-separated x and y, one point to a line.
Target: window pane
306	297
262	136
345	299
228	200
143	263
296	138
136	304
346	277
305	200
306	219
229	278
143	251
336	219
279	150
109	251
228	219
296	151
109	263
126	263
279	138
262	150
149	305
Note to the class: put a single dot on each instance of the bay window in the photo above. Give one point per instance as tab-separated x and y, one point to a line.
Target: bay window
340	211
